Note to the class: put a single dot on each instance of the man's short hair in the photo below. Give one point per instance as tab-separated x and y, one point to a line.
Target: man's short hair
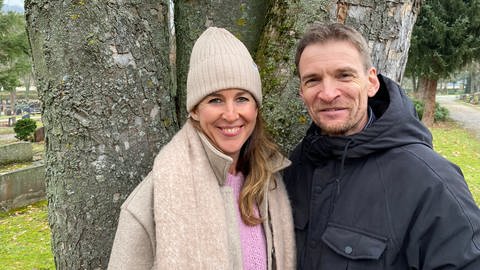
322	33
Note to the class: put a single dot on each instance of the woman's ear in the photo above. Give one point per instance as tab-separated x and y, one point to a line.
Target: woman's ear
194	115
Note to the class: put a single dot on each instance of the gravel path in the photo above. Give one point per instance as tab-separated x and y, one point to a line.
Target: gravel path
465	114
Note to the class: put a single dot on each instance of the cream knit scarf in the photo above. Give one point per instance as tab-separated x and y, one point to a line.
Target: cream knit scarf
189	209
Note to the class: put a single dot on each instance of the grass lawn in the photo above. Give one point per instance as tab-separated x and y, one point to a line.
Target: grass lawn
25	235
462	148
25	238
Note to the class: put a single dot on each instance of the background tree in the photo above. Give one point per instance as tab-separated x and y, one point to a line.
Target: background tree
445	38
473	77
14	53
112	85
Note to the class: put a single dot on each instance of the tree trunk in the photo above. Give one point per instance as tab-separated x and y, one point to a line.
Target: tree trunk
245	19
475	77
111	98
13	101
102	73
416	89
27	79
386	25
473	69
429	87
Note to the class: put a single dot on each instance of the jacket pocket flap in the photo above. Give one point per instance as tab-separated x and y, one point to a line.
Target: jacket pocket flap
354	244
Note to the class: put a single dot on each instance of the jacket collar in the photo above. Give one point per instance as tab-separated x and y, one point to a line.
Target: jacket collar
220	162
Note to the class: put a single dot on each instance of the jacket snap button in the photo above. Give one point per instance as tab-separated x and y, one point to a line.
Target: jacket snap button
348	249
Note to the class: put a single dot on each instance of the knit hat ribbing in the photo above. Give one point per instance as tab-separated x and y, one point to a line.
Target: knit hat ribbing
220	61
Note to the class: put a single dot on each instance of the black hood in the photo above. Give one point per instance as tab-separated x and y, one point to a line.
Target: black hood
397	124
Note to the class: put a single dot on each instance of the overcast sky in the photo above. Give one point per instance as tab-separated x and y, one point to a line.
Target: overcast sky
13	2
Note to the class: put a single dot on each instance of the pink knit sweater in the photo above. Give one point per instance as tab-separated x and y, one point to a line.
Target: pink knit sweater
252	238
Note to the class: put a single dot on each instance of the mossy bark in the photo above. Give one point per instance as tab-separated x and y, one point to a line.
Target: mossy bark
245	19
387	25
102	72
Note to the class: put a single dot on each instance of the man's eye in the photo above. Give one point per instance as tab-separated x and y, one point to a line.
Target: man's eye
345	75
311	82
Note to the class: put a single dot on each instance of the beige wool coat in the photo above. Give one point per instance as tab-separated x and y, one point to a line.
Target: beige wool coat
181	216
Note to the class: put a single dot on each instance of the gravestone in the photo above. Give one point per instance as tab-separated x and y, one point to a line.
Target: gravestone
39	135
16	152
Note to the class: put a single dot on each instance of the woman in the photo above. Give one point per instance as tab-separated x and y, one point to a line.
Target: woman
214	198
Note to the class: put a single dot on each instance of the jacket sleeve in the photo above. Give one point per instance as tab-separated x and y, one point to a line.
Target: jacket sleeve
446	230
282	226
131	247
134	244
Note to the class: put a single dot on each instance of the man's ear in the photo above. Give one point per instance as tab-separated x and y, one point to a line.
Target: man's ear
374	83
300	92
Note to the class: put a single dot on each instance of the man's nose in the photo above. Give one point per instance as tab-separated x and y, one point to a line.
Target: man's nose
328	90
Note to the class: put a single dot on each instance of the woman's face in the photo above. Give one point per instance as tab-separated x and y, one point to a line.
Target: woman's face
228	118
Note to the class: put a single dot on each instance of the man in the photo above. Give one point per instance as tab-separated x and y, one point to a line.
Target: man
367	190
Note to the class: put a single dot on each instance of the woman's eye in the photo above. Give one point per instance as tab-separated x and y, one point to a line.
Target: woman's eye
243	99
214	101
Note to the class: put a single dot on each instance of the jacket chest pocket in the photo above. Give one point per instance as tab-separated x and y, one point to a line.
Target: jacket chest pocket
347	248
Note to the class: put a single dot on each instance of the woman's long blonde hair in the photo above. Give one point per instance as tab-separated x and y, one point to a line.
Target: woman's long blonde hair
256	163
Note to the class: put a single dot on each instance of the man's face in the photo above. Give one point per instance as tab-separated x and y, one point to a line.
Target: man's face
335	87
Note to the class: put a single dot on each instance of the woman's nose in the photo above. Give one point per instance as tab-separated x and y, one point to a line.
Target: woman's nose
230	113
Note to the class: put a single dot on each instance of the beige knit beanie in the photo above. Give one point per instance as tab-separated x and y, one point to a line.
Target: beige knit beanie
220	61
